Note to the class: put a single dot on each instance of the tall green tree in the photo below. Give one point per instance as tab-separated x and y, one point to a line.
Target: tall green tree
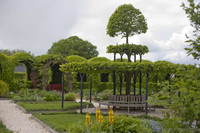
126	21
193	13
74	46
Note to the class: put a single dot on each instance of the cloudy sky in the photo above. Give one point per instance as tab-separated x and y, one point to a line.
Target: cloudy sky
33	25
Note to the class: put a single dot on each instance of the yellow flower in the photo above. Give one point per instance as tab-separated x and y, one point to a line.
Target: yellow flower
100	118
97	113
87	119
111	120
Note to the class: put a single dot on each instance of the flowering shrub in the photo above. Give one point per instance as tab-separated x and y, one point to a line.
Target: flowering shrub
110	124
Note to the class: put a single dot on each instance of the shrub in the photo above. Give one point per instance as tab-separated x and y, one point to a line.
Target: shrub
103	96
121	124
49	97
70	96
3	89
16	98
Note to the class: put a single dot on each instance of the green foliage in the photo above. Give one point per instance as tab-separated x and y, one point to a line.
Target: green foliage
8	64
71	96
122	124
19	75
11	52
128	49
193	13
183	99
103	96
75	58
4	90
28	95
48	97
126	21
99	59
73	46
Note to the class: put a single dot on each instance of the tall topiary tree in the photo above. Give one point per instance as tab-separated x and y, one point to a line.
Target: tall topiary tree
126	21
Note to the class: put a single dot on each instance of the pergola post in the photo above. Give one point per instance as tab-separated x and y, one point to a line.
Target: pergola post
135	76
90	89
140	76
62	90
147	79
114	78
82	76
121	77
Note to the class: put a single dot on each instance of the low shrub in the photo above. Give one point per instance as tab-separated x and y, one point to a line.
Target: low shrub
49	97
71	96
4	90
121	124
104	96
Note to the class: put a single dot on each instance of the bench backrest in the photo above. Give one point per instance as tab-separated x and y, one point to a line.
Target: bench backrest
127	99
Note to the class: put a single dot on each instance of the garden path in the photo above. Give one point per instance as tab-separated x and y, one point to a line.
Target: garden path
18	121
104	109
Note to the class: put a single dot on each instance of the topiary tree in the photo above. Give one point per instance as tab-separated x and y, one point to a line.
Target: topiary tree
126	21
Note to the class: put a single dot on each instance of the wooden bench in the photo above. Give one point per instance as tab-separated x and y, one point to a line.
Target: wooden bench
125	101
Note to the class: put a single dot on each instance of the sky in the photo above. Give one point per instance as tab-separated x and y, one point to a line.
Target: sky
34	25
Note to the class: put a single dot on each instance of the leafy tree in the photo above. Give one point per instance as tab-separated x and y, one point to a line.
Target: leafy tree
193	13
126	21
73	46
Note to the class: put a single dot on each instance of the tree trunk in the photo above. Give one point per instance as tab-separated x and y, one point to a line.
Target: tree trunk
127	39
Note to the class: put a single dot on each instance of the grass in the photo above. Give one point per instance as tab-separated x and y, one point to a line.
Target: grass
60	121
51	106
3	129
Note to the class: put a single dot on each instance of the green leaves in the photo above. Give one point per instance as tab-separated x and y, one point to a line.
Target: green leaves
126	21
193	13
128	49
73	46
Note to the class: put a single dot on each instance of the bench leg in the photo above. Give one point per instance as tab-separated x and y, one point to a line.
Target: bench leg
128	109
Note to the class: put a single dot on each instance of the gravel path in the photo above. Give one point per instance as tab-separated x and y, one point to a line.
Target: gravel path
18	121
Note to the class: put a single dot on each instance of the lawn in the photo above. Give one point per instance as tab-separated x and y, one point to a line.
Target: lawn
3	129
51	106
60	121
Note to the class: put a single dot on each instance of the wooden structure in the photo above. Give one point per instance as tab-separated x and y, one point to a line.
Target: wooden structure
57	87
138	101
